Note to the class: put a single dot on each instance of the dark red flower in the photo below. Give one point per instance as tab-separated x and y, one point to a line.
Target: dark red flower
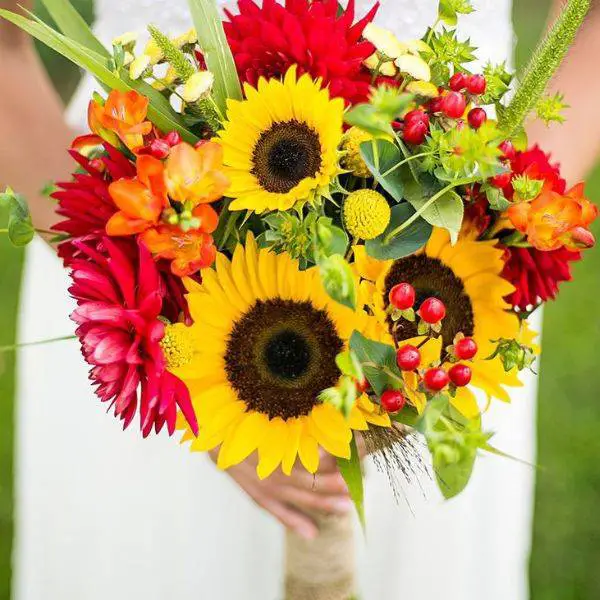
536	275
315	35
119	303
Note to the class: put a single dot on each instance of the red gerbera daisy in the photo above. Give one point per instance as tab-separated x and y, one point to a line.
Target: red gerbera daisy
315	35
536	275
119	327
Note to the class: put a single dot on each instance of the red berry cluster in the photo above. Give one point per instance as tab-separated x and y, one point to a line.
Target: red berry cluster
161	147
432	311
509	153
451	103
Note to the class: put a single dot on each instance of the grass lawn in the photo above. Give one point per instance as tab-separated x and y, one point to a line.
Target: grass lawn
566	550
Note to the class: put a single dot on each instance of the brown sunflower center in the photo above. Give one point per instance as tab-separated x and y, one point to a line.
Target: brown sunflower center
431	278
286	154
281	355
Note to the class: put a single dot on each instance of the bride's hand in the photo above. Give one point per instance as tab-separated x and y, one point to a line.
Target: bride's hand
289	499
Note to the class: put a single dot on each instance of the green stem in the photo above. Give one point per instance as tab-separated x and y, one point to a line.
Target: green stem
403	162
3	230
413	218
38	343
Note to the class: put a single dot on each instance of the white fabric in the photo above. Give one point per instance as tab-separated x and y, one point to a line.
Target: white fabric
102	514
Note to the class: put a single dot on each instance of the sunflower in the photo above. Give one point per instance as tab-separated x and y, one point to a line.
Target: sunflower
267	336
281	143
467	278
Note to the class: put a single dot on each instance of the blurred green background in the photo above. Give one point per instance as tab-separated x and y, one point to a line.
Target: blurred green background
566	549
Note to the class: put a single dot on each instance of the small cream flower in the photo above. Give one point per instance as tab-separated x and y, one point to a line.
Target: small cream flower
384	40
126	39
128	58
169	79
414	66
197	86
153	52
387	68
138	66
189	37
426	89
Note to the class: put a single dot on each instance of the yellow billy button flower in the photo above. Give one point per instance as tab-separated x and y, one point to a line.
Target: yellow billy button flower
197	86
366	214
352	159
177	345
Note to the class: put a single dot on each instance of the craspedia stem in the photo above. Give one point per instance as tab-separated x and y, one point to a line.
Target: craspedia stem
544	63
174	56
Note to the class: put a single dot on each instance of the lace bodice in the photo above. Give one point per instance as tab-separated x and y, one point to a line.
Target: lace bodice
489	27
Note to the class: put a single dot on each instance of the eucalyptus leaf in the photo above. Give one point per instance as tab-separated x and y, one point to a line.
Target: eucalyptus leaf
338	280
413	238
382	158
20	228
351	471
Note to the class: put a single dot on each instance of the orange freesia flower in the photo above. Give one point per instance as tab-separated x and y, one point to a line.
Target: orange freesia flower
140	200
122	116
195	175
553	221
187	251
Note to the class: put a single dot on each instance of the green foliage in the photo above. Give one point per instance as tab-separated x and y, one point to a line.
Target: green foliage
338	280
378	363
382	158
550	108
525	188
513	354
216	52
376	116
498	82
448	50
450	9
20	228
351	471
173	55
414	235
544	63
329	238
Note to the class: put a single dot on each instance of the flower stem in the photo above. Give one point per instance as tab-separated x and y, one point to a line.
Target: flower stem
38	343
403	162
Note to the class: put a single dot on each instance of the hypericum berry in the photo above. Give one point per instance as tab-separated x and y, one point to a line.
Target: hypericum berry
362	386
392	401
408	357
477	117
476	84
172	138
159	149
436	379
402	296
508	150
416	126
465	348
502	180
453	105
432	311
458	82
435	105
460	375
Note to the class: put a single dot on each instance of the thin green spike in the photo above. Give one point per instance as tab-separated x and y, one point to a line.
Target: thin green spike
174	56
544	63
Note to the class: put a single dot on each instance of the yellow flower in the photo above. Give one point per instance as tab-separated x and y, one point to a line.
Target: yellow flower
267	337
177	345
153	52
467	278
414	66
366	214
352	160
425	89
384	40
189	37
281	143
127	40
138	66
197	86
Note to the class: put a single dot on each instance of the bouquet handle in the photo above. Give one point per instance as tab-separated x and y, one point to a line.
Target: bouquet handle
323	568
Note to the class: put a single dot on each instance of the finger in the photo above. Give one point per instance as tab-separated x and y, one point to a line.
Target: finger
307	500
290	518
327	463
329	483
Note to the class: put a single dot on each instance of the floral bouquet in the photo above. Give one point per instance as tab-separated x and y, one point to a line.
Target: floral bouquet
292	232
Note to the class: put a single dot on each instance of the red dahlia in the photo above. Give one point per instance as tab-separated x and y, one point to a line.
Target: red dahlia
536	275
315	35
119	304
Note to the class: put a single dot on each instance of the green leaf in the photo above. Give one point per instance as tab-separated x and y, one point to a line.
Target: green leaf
329	238
453	476
349	364
351	471
496	198
374	357
433	411
216	52
446	212
20	229
73	25
369	119
382	157
414	237
338	280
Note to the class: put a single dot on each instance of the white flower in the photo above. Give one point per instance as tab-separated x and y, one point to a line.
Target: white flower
387	68
197	86
126	39
189	37
384	40
414	66
138	66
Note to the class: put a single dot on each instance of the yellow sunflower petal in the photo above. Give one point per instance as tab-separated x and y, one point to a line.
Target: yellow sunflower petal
272	447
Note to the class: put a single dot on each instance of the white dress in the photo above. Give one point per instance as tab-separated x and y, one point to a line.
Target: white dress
102	514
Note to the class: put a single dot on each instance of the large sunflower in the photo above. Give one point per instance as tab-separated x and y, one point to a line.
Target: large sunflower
467	278
267	337
281	143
